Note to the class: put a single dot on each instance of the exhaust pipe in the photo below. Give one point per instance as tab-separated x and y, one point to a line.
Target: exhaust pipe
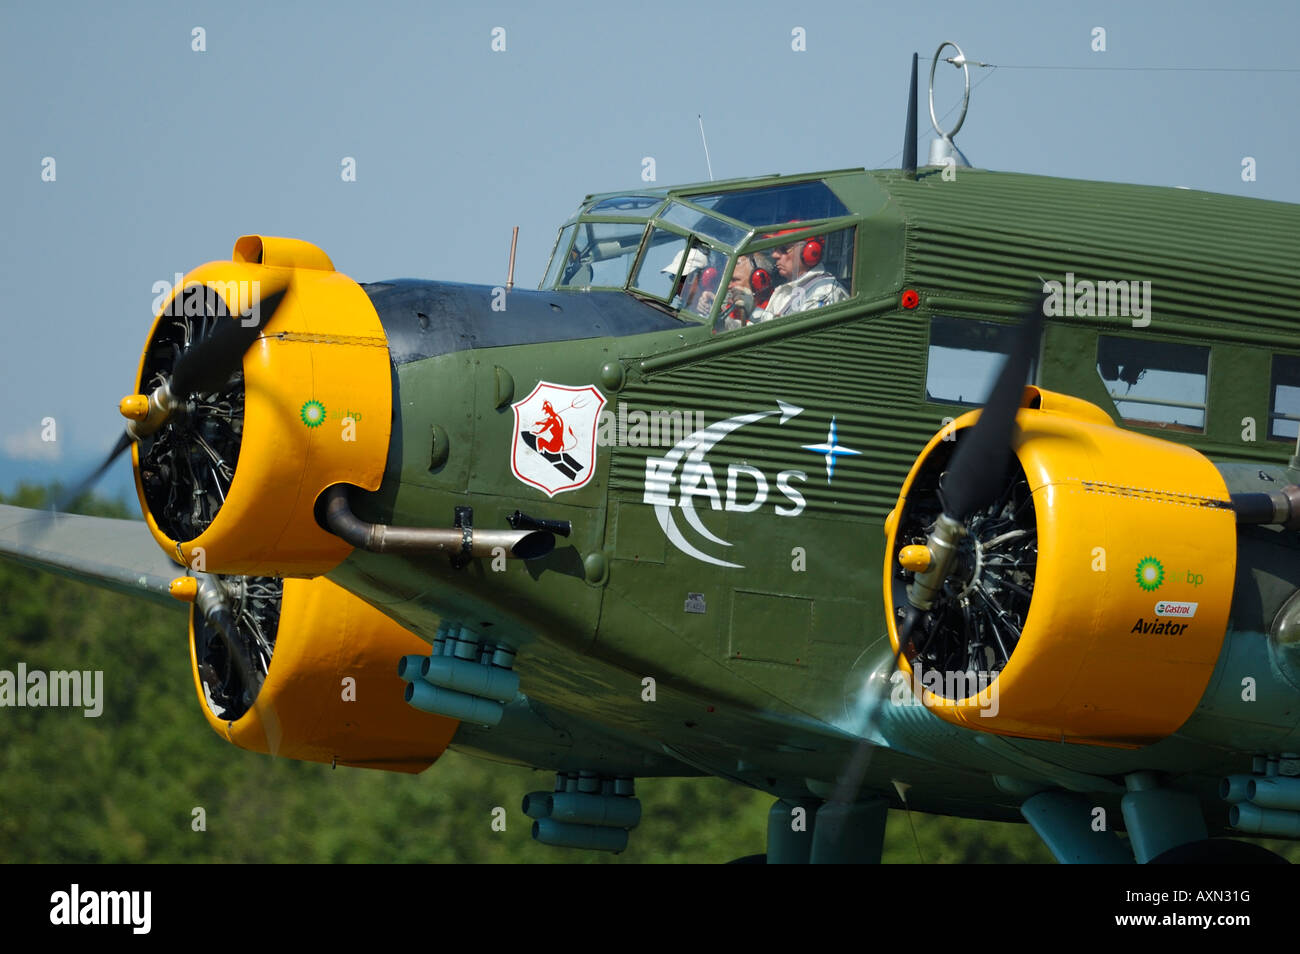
603	811
1253	820
576	816
561	835
454	541
1234	788
1274	792
453	704
464	679
1263	805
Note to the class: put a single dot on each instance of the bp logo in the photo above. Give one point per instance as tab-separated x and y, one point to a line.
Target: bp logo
313	413
1150	573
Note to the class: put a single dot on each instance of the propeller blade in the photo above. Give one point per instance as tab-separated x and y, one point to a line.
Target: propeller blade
86	483
974	479
849	783
203	369
210	363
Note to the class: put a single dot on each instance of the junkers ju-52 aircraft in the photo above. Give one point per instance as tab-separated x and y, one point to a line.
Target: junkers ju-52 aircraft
719	499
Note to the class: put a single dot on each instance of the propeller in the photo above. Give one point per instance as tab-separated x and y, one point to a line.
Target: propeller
975	477
202	369
973	481
229	606
979	463
66	499
212	362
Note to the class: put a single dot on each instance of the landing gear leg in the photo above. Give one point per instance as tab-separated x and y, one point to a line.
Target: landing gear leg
1067	823
1159	819
790	824
850	834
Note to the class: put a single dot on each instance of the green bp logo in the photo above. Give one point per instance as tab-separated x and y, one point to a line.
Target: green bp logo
1150	573
313	413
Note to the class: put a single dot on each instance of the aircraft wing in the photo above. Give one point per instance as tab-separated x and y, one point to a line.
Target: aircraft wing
118	554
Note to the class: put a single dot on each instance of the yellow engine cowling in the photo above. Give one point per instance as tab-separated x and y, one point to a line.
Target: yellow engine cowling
331	692
317	410
1136	554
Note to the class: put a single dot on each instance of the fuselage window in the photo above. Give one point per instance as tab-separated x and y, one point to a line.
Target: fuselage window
965	357
1284	397
1155	383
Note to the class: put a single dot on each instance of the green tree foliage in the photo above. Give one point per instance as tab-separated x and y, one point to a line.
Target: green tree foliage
123	787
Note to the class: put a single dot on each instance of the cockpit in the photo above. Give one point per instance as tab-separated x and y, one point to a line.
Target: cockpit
731	258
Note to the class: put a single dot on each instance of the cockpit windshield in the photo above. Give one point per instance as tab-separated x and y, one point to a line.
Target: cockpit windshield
736	257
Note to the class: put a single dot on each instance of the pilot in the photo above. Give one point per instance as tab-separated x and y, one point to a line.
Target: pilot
807	285
750	288
693	289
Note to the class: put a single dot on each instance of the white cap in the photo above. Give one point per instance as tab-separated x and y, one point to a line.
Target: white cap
694	261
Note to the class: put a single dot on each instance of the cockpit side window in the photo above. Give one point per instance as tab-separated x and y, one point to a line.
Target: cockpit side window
602	255
558	256
803	270
701	272
661	264
684	273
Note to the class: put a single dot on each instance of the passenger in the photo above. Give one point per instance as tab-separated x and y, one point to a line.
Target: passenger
807	285
750	288
692	289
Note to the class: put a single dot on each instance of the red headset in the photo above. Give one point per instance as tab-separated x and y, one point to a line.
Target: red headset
760	283
813	249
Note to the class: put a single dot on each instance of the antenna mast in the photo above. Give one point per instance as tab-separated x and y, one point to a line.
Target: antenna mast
706	146
909	135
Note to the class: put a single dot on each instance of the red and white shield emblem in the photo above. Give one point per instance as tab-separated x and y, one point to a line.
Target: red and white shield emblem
554	445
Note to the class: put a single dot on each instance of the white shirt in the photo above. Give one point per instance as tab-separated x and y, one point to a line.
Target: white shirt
813	289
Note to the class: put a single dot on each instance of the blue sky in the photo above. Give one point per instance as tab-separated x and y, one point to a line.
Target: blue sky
163	155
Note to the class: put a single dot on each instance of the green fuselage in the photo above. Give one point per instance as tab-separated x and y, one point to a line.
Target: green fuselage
729	541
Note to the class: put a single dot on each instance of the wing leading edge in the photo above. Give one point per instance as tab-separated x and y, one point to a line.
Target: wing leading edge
120	555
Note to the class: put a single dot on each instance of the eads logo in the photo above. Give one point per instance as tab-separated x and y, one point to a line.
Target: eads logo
744	489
